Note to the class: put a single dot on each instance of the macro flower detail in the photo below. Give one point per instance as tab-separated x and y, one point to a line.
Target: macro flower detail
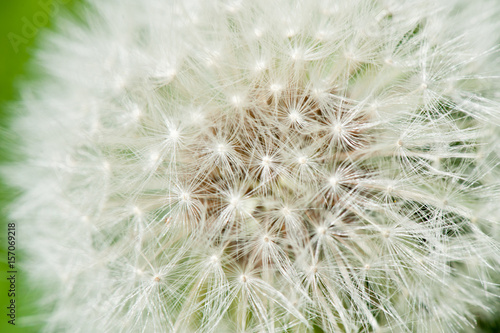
264	166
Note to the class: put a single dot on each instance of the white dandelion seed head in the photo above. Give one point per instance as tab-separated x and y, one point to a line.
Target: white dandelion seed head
264	166
302	160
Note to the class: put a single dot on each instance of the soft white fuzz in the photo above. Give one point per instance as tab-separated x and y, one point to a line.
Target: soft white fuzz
264	166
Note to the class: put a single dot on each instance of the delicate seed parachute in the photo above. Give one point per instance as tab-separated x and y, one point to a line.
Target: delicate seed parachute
264	166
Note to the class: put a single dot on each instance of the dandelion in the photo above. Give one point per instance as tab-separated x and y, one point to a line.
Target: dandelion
264	166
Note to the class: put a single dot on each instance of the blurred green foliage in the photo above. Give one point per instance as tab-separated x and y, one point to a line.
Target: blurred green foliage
21	23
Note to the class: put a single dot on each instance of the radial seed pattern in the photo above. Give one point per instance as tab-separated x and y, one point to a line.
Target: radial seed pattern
273	166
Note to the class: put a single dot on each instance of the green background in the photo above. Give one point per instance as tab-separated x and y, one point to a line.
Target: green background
14	62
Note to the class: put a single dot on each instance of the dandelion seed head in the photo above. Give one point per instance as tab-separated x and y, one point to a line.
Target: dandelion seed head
214	259
333	181
295	116
321	230
266	161
237	100
256	166
185	197
234	201
221	149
